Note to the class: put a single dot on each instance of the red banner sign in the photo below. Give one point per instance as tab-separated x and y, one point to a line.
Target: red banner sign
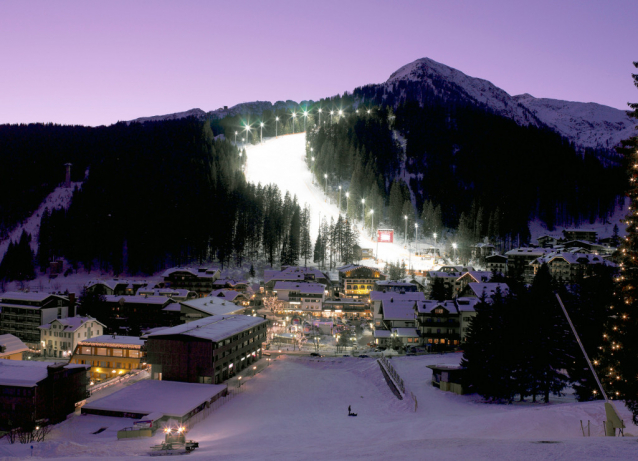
385	236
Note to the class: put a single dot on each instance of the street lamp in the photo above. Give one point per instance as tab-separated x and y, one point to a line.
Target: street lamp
247	132
294	115
305	116
340	113
406	228
325	175
368	111
312	167
434	238
261	132
239	381
454	246
347	202
416	233
339	199
235	138
276	125
363	207
319	117
331	113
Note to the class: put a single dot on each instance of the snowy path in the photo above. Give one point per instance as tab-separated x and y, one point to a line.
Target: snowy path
281	161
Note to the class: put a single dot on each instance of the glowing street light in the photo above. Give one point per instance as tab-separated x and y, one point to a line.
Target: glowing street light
416	233
294	116
347	202
276	125
319	117
247	132
363	207
454	246
235	138
368	111
406	228
434	238
239	381
340	113
325	175
305	116
331	114
261	133
339	199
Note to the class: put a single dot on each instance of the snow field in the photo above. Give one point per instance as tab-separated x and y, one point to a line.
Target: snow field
297	409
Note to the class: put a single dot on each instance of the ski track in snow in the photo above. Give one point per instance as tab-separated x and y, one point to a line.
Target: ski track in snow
281	161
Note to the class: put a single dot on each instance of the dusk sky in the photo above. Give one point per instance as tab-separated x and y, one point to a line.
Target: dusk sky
96	63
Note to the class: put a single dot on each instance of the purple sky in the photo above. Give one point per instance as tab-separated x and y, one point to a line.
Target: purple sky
99	62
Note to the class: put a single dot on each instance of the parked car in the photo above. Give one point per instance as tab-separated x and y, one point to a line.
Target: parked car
315	354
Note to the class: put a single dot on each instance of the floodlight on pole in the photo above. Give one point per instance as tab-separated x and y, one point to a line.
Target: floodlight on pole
319	117
454	246
276	125
331	114
363	207
247	132
261	133
235	138
416	233
406	228
347	202
340	113
325	175
339	199
434	238
368	111
294	115
305	116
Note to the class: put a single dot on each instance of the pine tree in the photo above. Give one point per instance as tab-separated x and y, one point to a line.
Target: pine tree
618	367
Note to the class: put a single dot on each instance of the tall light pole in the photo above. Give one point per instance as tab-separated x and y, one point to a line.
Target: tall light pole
325	175
416	233
312	167
331	113
305	116
261	133
347	202
294	115
340	114
454	246
405	217
247	132
434	238
235	138
320	117
339	200
363	208
276	125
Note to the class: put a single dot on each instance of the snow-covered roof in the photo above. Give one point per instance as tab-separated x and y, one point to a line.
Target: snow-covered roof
382	333
113	340
170	398
177	292
174	307
488	288
113	283
410	296
406	332
478	276
70	323
444	274
310	288
428	306
213	328
211	305
228	295
293	273
194	272
394	283
464	304
574	258
25	373
134	299
34	296
12	345
398	310
230	282
351	267
528	251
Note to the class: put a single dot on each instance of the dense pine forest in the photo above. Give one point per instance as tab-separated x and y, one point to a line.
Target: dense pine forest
160	194
462	168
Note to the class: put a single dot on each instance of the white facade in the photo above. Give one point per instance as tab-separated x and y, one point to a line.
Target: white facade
59	337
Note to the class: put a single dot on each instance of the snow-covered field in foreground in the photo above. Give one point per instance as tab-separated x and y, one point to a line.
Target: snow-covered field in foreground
281	161
297	409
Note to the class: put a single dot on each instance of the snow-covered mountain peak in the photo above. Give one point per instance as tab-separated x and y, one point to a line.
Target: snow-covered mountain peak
447	81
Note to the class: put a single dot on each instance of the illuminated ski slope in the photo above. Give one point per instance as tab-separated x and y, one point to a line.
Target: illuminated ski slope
281	161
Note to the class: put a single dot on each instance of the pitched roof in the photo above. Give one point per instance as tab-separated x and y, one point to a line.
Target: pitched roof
114	340
310	288
35	296
409	296
428	306
488	288
71	323
12	345
398	310
211	305
25	373
134	299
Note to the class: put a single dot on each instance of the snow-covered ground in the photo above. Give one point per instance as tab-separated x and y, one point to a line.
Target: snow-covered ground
281	161
297	409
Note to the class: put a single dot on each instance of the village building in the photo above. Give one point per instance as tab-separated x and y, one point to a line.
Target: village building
568	267
583	246
110	355
33	392
200	308
448	278
21	314
209	350
396	286
117	287
358	281
198	280
398	323
240	286
487	290
12	348
235	297
176	294
448	377
470	277
438	322
346	308
306	297
482	250
60	337
519	259
467	311
496	264
547	241
136	313
581	234
294	274
377	297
